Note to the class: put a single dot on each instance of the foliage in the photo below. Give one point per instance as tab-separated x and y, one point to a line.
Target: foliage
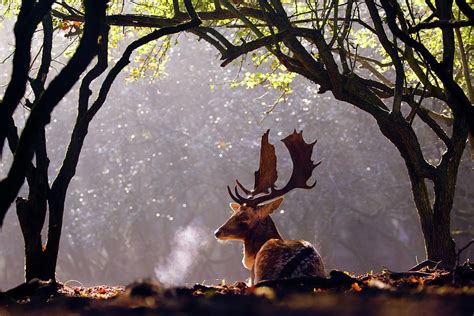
361	42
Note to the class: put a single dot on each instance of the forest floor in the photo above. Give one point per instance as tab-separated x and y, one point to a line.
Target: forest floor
424	291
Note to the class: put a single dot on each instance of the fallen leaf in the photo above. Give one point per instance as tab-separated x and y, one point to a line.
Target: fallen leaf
355	287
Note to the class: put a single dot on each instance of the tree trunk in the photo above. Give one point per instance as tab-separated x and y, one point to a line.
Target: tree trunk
36	263
435	218
40	259
34	259
435	221
440	245
56	212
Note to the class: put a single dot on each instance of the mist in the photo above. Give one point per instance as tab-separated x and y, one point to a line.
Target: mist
188	247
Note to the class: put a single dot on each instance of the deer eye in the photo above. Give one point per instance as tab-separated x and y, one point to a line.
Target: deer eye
244	220
243	224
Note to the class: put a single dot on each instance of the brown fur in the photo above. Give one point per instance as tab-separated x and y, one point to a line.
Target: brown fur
276	254
265	252
263	230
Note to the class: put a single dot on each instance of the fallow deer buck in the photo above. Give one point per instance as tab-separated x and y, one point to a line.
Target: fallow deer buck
266	254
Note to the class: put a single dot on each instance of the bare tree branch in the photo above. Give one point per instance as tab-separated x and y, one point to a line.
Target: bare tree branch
457	100
41	112
466	9
137	20
392	52
29	17
442	24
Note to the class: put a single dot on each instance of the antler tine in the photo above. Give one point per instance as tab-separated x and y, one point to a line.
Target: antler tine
266	176
248	192
240	197
303	167
277	193
314	166
311	186
233	196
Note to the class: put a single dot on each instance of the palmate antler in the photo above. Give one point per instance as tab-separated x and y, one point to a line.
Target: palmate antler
266	176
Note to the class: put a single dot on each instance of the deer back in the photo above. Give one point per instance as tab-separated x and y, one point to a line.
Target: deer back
283	259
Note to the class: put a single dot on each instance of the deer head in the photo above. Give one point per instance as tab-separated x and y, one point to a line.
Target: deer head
250	218
245	220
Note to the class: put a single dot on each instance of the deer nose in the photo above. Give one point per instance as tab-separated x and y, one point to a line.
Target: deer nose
218	233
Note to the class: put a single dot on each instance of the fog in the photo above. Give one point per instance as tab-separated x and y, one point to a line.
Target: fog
150	187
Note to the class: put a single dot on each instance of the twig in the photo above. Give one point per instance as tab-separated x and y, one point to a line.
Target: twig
426	263
7	58
399	275
460	251
458	255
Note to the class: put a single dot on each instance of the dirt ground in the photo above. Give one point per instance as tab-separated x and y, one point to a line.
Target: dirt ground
426	291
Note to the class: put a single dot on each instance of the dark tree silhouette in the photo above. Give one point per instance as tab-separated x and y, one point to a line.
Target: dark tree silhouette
40	260
29	16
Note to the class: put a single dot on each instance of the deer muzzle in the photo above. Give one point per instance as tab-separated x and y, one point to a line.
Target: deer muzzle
219	233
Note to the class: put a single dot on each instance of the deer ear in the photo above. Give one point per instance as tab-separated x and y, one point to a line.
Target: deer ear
234	206
270	207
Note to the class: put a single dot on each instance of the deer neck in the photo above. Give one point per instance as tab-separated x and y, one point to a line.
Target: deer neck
259	234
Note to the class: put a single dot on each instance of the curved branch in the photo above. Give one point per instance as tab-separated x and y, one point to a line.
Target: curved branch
466	9
137	20
125	60
236	51
29	17
101	65
456	99
442	24
41	112
391	50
